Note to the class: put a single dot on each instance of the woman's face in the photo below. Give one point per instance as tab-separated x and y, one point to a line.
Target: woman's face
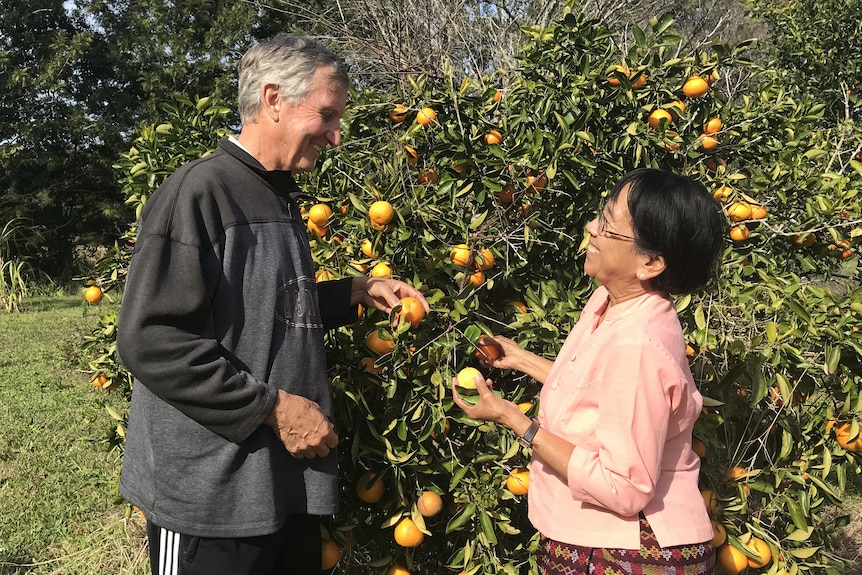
611	255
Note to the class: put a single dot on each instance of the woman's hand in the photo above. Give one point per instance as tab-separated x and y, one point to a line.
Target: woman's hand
491	407
513	356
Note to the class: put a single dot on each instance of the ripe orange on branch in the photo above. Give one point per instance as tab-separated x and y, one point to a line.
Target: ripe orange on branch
377	344
712	126
695	87
739	211
731	559
425	116
93	294
407	534
429	504
739	233
381	212
761	548
330	554
518	481
708	143
398	114
319	214
368	491
484	260
493	137
656	116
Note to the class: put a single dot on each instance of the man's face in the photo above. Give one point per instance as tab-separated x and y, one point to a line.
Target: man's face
306	128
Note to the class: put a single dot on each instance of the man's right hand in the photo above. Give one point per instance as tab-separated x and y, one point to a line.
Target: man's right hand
302	427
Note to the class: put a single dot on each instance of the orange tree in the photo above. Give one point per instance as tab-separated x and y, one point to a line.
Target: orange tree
491	230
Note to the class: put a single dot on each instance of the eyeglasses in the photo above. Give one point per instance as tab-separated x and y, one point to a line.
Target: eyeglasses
603	226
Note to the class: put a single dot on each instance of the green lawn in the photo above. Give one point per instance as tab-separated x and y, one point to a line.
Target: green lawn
58	500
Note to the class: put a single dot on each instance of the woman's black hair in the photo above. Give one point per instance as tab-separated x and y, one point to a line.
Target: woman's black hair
678	218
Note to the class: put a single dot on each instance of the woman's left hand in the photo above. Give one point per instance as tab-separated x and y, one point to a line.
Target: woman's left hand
489	407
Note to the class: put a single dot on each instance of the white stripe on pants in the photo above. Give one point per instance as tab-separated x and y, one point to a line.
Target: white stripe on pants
169	550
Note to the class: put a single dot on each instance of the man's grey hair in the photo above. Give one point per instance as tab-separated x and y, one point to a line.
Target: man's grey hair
288	61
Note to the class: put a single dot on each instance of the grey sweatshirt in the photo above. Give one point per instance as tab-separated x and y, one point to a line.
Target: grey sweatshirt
220	310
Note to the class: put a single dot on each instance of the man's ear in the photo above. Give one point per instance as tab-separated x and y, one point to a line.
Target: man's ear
271	101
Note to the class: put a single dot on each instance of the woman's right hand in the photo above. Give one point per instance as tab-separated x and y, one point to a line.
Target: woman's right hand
513	356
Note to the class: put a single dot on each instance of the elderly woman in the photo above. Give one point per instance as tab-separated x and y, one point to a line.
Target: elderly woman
613	479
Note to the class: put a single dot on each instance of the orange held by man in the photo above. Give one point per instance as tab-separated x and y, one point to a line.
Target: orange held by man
330	554
407	534
411	311
429	504
518	481
425	116
493	137
695	87
367	491
93	294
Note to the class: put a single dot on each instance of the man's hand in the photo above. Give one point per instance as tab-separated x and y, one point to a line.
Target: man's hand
302	427
383	293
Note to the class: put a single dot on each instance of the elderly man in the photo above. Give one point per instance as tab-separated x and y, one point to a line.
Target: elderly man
230	448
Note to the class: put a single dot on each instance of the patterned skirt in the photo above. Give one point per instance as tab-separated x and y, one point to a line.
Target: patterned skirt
556	558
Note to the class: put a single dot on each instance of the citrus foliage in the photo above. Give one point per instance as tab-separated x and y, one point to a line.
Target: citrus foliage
775	349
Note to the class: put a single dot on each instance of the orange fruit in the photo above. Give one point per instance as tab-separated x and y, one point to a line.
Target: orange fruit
842	434
804	239
722	193
493	137
467	377
460	255
398	114
525	406
506	195
712	77
708	143
367	364
710	501
412	155
518	481
734	474
739	211
518	306
381	270
640	81
425	116
429	504
412	311
477	279
761	548
731	559
330	554
739	233
319	214
690	353
323	276
656	116
488	349
714	166
679	105
93	294
381	212
712	126
377	344
695	87
397	570
840	249
758	212
367	248
536	183
699	447
719	534
612	79
484	260
319	230
367	491
498	95
671	143
427	176
407	534
100	380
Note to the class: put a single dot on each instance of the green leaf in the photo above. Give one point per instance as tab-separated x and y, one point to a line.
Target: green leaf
461	518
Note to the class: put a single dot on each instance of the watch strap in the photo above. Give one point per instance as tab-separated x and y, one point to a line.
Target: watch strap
526	439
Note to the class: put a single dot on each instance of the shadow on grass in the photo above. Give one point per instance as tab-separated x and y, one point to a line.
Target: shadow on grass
15	565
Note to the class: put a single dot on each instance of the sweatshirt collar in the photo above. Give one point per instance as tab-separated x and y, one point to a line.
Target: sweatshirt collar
282	181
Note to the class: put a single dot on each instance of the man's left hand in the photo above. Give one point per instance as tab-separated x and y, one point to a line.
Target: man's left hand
383	293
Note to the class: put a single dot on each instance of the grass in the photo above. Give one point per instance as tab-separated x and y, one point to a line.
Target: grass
58	475
59	509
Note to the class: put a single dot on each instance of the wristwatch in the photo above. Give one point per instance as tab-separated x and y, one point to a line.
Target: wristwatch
526	440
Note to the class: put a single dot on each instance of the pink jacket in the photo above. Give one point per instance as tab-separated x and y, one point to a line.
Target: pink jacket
624	395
